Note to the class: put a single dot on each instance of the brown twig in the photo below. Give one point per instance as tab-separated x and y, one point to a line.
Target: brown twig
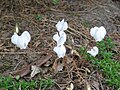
17	65
78	32
20	53
75	65
74	12
58	85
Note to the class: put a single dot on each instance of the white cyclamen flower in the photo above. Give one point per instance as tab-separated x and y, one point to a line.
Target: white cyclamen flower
21	41
60	38
94	51
98	33
60	50
61	25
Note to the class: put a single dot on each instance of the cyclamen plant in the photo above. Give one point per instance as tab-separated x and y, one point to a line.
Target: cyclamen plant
98	33
60	38
21	41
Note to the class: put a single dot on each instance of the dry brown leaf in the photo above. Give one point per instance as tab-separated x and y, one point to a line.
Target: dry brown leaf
26	69
35	70
43	60
60	67
57	66
22	72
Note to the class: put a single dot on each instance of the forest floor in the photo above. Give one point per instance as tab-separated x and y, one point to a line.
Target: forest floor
39	17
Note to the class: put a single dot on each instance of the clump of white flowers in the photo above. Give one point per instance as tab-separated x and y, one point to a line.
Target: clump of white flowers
98	33
60	38
22	40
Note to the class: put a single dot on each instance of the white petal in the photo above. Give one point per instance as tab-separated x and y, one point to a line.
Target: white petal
103	31
21	41
97	36
61	25
94	51
93	31
56	37
62	38
26	36
65	26
60	50
98	33
14	38
58	26
62	21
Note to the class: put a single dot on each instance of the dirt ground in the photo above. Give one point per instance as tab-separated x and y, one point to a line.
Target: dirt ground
39	18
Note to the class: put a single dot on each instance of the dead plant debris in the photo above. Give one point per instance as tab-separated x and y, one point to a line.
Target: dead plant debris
39	18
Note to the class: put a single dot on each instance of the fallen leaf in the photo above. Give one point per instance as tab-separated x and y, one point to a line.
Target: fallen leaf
22	72
35	70
57	66
43	60
26	69
60	67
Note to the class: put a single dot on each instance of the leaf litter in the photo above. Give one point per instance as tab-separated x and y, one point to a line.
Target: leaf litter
33	68
42	30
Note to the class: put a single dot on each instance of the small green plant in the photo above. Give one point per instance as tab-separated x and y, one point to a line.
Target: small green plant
46	83
8	83
105	63
55	2
38	17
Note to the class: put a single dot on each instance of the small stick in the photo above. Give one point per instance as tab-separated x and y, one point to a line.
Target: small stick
17	65
19	53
